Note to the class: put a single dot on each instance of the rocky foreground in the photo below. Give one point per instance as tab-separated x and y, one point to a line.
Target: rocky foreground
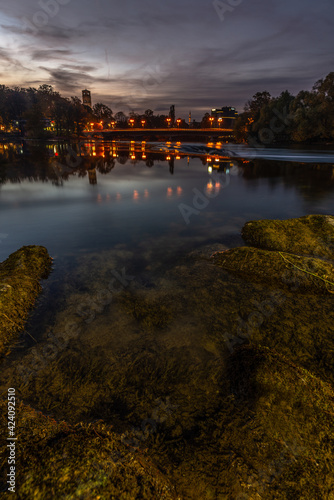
244	411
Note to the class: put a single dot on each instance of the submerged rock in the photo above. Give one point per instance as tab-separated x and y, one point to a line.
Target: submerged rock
19	288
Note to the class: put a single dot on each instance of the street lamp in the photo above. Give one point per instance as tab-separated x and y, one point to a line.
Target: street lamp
168	121
220	121
131	122
178	121
211	119
143	123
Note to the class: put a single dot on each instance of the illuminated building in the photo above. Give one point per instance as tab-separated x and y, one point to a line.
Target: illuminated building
227	115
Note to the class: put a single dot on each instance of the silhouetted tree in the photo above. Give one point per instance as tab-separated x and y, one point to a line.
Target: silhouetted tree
102	113
205	120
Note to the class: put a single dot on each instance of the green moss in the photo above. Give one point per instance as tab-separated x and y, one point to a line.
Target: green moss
309	235
149	311
284	269
19	288
85	461
271	437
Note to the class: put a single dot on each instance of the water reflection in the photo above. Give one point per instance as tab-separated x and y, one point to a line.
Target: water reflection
135	195
59	162
161	335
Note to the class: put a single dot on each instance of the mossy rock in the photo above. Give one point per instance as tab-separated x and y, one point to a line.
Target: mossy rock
89	461
272	437
286	270
288	441
19	289
310	235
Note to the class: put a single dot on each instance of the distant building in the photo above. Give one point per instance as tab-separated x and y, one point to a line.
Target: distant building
172	114
226	116
86	98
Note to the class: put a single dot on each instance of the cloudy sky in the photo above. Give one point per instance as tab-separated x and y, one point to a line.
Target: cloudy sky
139	54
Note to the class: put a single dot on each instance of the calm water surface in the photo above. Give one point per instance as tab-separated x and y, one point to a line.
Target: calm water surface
45	200
129	326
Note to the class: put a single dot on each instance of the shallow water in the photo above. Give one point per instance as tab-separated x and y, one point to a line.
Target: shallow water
135	322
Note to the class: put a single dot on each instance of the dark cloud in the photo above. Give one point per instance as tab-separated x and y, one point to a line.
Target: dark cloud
153	53
68	81
48	54
5	55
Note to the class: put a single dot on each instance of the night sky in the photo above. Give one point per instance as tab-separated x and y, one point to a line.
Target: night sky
151	53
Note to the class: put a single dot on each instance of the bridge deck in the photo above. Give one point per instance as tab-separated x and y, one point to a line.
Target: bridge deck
162	131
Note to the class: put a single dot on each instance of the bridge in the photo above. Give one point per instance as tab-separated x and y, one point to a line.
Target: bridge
162	133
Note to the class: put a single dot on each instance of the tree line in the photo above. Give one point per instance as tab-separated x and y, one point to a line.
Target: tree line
306	117
31	110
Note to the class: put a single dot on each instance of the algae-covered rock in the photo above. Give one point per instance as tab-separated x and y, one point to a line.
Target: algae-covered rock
19	288
286	270
271	438
308	235
177	407
287	443
88	461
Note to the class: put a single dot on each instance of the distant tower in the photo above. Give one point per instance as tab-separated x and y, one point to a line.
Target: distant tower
86	98
172	114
